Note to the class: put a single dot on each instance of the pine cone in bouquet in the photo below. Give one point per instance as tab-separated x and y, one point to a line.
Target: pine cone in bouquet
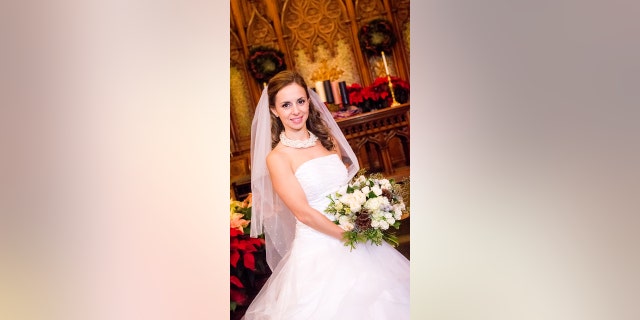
363	221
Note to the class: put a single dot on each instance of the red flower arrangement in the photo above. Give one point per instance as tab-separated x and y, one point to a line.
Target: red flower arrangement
265	62
378	95
377	36
249	270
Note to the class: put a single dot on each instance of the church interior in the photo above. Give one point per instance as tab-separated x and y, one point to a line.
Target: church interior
355	55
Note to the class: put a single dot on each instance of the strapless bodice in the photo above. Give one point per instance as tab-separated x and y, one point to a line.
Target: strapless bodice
321	176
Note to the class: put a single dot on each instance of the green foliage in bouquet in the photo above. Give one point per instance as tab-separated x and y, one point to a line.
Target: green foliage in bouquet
367	207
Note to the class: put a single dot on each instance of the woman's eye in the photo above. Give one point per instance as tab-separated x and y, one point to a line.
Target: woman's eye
286	105
301	101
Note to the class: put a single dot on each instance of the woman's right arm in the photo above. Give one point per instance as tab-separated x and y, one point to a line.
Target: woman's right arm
290	191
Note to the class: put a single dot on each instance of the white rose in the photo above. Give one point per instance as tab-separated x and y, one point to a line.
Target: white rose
359	196
384	225
375	223
376	190
391	221
376	214
347	198
374	203
345	223
365	190
382	202
355	206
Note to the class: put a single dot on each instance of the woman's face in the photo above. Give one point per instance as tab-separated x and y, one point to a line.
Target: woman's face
292	107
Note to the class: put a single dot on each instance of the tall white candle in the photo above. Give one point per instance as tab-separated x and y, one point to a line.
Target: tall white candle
384	60
320	91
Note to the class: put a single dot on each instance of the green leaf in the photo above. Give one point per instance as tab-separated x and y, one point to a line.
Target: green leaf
233	306
391	239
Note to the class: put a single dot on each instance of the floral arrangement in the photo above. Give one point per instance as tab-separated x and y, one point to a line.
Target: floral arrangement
265	62
378	95
377	36
247	258
366	208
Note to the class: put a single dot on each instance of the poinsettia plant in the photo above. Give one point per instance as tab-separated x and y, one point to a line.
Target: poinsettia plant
378	95
248	265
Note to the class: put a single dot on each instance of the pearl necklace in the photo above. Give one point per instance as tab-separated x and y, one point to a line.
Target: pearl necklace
298	144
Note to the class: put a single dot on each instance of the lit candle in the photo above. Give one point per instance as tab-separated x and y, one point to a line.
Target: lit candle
384	60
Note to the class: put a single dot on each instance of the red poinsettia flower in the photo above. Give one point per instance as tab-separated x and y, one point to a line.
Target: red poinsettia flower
236	282
239	297
243	246
355	95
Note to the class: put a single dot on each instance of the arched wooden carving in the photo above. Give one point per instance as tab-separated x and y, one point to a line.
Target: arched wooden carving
308	24
236	50
241	101
260	31
369	156
368	10
319	38
401	10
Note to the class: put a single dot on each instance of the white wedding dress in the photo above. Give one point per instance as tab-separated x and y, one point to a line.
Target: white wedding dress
320	278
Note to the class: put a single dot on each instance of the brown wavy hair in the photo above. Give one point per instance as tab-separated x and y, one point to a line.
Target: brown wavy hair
314	122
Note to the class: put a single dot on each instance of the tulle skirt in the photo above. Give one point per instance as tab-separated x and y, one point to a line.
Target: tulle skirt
320	278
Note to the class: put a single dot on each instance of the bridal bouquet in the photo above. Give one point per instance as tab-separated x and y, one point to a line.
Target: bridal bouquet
366	208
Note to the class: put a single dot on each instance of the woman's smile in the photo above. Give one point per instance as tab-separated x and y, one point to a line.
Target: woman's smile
292	107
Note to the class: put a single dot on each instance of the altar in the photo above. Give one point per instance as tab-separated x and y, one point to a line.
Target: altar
380	139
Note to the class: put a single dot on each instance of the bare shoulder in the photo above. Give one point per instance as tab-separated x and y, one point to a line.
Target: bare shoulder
278	159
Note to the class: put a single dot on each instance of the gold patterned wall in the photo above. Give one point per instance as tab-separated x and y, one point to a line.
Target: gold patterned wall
319	40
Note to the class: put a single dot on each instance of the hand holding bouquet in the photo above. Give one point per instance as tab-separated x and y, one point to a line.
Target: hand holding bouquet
366	208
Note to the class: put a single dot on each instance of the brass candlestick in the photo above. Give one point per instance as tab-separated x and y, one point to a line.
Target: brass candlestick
393	95
386	69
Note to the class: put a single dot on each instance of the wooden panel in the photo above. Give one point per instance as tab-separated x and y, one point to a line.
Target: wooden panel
380	139
239	167
260	31
368	10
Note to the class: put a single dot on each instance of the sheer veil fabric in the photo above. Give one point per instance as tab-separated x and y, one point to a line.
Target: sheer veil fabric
269	214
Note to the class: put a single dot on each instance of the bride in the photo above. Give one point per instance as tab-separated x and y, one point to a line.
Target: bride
299	156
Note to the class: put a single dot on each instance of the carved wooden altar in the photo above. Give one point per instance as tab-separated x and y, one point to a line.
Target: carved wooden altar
380	139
